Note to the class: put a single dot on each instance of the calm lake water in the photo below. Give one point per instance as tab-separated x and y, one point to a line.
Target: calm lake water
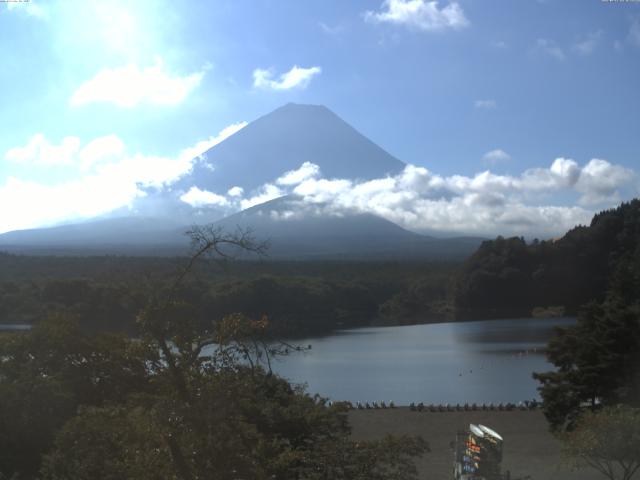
483	361
12	327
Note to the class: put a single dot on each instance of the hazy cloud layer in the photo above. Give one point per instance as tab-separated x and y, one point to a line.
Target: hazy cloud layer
488	204
297	77
421	15
107	177
130	85
484	204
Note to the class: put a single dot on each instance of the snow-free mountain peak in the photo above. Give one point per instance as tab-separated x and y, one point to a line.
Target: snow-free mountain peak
282	141
253	157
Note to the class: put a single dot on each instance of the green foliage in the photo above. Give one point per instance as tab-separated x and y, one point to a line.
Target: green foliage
111	442
596	360
217	415
46	374
184	399
295	306
304	298
507	277
608	441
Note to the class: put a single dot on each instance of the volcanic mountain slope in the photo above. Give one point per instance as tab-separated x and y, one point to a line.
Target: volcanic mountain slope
295	229
265	149
282	141
261	152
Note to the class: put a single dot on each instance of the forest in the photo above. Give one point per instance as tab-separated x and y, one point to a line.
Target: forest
509	277
301	298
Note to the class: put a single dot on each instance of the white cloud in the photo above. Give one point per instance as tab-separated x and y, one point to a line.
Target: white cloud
35	204
29	8
587	45
235	191
103	149
484	204
420	15
198	198
130	86
297	77
108	177
417	199
600	181
488	104
496	156
550	48
566	170
499	44
38	151
322	190
293	177
267	192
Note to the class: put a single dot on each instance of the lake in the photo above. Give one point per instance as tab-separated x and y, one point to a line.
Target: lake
13	327
481	361
456	362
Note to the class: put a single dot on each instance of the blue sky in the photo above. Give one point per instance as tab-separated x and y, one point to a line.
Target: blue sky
98	97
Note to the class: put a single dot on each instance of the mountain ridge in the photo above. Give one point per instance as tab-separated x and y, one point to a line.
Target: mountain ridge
258	154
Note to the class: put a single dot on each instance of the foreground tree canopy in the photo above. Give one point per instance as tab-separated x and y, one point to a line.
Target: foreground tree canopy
176	402
608	441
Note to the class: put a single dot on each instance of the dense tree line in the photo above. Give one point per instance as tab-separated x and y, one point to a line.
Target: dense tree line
598	359
77	406
105	293
510	277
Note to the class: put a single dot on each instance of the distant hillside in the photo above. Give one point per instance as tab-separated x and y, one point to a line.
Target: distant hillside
304	236
297	231
508	277
125	235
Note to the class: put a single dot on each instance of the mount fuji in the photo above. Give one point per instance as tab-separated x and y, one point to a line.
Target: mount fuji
253	157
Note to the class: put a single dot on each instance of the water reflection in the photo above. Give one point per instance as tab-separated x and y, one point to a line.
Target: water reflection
486	361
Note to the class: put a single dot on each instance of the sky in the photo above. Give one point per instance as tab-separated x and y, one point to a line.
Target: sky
513	116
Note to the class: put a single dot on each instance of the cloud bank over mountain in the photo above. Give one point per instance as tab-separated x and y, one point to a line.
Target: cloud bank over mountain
106	176
326	167
485	204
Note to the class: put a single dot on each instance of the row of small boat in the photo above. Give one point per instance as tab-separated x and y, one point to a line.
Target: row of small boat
474	407
374	405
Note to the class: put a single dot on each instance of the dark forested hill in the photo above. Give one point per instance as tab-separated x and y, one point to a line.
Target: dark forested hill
510	277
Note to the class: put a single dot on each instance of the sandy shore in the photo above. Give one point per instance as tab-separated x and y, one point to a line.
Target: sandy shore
529	448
